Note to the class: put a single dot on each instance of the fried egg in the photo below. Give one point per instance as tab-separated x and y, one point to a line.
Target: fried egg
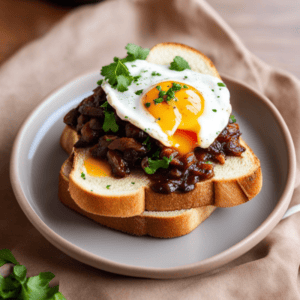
195	116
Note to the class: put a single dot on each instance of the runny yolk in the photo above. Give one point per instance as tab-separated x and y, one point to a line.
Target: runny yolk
177	118
97	167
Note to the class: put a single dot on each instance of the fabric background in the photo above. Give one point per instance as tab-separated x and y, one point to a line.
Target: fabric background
90	37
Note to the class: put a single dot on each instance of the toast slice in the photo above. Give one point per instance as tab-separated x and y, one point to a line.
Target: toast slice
234	183
157	224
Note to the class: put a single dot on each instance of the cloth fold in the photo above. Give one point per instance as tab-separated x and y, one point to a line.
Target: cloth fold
89	37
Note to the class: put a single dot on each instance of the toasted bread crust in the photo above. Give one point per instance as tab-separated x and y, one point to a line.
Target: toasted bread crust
179	49
220	193
156	226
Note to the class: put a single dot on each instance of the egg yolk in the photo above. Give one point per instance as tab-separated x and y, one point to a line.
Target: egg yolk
97	167
178	118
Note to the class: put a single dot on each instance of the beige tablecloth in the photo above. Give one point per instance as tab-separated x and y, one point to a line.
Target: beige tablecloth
89	37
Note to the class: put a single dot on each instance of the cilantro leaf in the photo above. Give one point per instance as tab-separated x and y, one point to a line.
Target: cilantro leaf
18	286
179	64
139	92
110	122
7	257
137	52
156	164
123	82
233	119
117	74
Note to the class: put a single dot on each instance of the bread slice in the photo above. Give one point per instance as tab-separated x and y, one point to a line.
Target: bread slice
234	183
164	53
157	224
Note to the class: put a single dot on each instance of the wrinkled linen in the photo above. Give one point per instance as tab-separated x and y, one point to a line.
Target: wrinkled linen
89	37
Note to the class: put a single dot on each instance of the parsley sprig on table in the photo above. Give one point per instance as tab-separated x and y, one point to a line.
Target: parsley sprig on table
117	74
18	286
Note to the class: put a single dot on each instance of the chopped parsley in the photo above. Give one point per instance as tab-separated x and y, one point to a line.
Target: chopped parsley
108	140
221	84
156	164
83	176
147	104
133	66
158	87
208	162
158	100
126	117
109	119
99	82
155	74
136	78
185	86
213	90
218	96
139	92
179	64
214	110
156	154
132	182
108	186
185	77
232	118
147	143
218	132
117	73
110	122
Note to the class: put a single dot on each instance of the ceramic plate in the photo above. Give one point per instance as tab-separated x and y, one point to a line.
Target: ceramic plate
227	234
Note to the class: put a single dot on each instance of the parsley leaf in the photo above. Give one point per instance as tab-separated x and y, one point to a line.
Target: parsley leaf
136	52
82	175
18	286
123	82
108	186
110	122
147	143
99	82
179	64
156	164
7	257
221	84
139	92
117	74
233	119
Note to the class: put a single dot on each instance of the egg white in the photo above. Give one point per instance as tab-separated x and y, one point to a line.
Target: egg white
129	107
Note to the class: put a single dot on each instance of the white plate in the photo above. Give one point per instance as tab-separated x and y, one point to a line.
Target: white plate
227	234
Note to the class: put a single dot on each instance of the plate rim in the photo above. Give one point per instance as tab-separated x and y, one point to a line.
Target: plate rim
150	272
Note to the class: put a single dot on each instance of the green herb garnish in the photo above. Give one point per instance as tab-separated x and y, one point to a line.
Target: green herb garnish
136	78
18	286
208	162
221	84
156	164
83	176
232	118
158	100
185	77
147	143
139	92
155	74
185	86
158	87
117	73
132	182
214	110
179	64
108	140
99	82
147	104
108	186
110	122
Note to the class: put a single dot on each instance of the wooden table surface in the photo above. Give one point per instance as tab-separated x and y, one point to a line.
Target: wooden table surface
269	28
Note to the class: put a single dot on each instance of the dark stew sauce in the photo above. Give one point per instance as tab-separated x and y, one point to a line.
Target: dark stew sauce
130	148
